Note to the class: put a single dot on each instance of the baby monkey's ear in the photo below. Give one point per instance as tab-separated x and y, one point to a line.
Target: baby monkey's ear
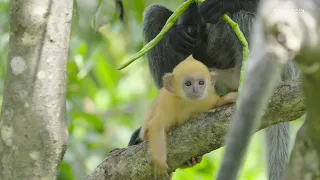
168	82
213	77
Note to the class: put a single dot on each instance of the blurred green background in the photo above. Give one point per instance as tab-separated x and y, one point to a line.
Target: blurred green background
104	105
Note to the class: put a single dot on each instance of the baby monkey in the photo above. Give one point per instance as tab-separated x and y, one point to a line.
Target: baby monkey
189	89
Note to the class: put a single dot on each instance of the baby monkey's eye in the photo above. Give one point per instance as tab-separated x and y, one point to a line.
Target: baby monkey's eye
187	83
201	82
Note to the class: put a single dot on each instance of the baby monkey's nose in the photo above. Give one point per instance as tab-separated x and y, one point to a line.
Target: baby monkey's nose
195	89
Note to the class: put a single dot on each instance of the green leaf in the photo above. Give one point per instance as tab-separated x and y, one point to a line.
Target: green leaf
92	119
65	171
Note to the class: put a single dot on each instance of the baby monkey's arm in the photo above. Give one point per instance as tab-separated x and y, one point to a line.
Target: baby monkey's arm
157	145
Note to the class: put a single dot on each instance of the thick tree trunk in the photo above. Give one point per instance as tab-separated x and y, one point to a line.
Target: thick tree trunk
33	128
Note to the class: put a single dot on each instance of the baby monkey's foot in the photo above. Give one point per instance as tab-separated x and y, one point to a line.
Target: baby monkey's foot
192	162
161	172
213	110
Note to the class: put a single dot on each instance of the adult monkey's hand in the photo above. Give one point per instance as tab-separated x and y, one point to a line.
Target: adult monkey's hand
212	10
183	35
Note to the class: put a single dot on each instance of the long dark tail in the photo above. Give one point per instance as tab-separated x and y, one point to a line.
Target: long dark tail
135	138
278	141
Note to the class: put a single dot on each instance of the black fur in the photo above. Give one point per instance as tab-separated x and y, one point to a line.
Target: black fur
135	138
200	31
215	45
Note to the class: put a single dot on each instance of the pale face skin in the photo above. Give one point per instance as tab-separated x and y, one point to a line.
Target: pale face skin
194	87
191	87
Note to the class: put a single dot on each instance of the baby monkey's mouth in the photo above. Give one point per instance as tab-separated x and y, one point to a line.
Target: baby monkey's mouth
195	96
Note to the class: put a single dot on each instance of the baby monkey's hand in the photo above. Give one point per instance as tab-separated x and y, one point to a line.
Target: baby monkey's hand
161	171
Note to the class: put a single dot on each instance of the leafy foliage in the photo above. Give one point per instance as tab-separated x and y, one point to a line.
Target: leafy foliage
104	105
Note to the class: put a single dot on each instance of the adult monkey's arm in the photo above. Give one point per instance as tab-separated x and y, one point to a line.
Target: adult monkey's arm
170	22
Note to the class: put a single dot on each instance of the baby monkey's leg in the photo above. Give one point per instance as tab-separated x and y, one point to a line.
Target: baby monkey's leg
227	99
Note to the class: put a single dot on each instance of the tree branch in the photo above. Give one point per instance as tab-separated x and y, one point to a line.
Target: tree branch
197	137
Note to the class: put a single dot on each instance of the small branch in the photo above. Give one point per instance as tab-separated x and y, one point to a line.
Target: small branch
197	137
245	46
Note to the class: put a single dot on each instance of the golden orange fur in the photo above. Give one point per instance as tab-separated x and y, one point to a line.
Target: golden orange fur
173	109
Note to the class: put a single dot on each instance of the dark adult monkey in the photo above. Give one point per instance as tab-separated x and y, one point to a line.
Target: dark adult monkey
201	32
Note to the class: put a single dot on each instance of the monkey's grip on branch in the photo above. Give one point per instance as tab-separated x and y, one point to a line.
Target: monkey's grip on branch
172	19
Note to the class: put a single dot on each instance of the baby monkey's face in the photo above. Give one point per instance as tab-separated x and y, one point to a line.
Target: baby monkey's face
194	87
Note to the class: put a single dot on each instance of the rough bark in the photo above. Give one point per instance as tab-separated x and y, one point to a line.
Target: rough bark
33	128
199	136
